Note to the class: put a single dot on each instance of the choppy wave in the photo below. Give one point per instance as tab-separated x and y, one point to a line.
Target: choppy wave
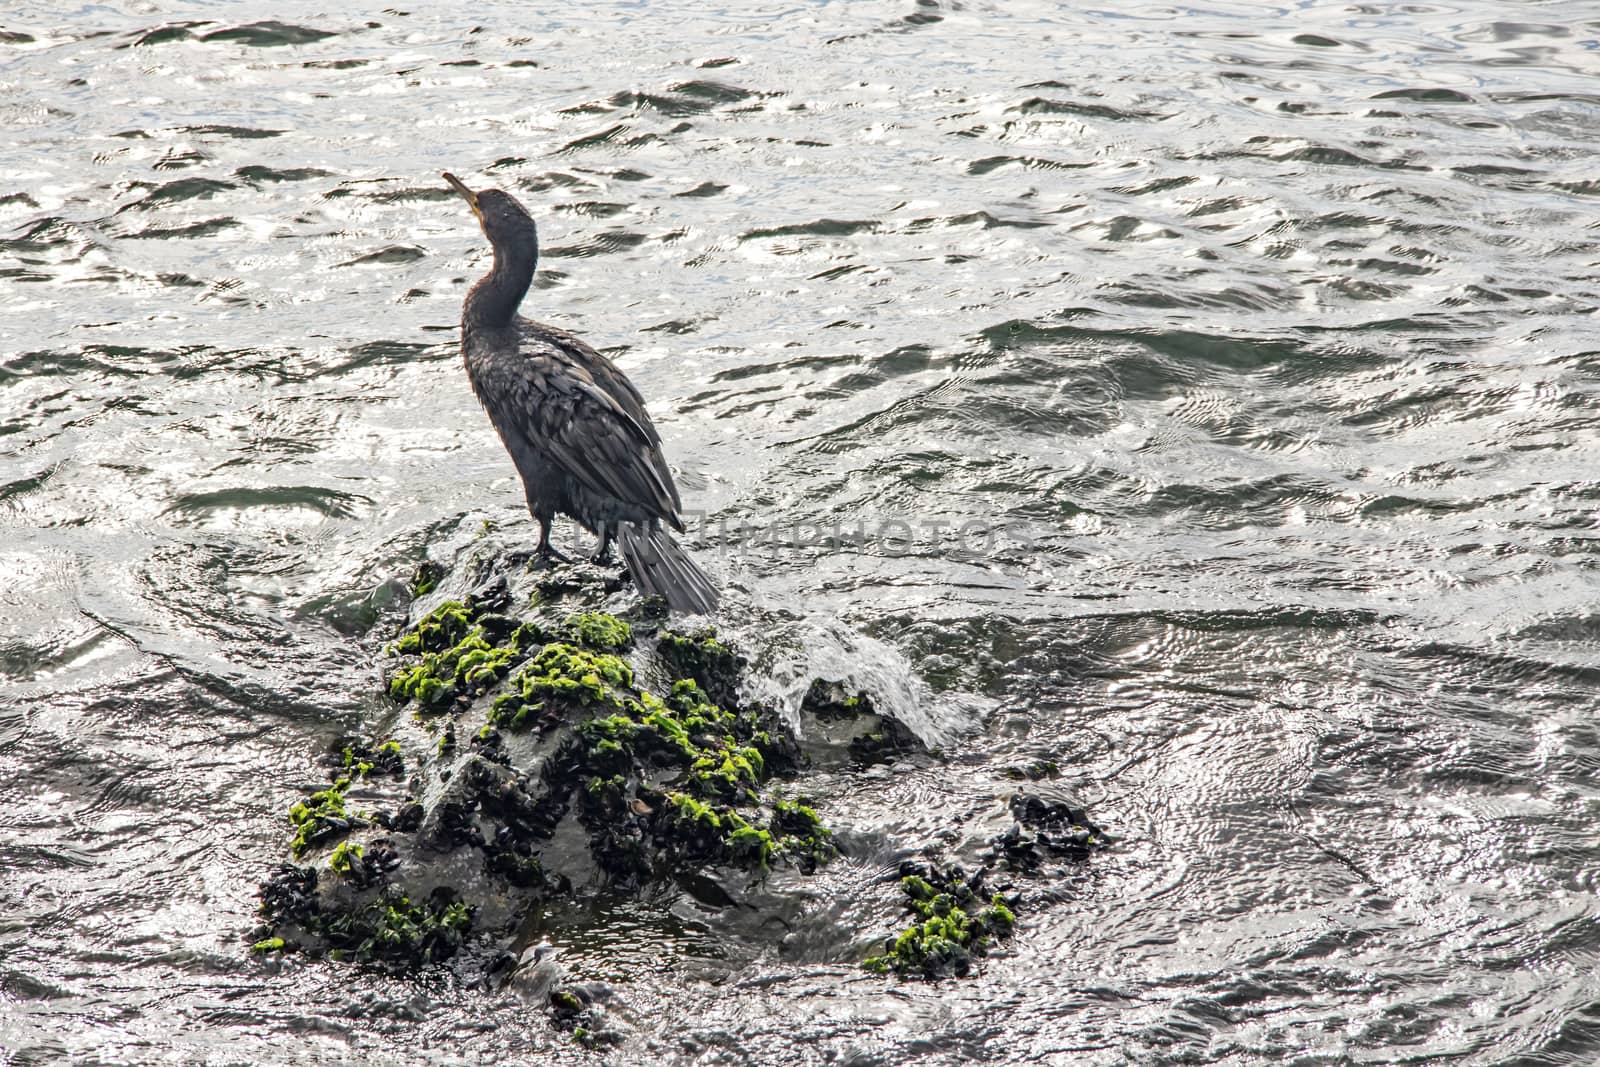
1199	402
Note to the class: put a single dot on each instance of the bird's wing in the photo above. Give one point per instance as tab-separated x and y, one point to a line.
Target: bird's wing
552	401
609	378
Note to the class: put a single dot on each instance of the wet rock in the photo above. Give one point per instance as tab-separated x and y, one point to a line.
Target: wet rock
716	669
542	763
962	916
1050	823
958	918
838	725
553	748
355	758
1034	770
387	928
889	742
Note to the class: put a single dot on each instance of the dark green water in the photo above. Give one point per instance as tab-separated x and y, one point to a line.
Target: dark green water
1217	388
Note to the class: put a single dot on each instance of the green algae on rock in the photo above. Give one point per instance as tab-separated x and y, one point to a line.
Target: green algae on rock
957	920
958	916
389	928
802	835
718	759
462	651
436	631
562	678
598	630
553	767
321	817
425	578
345	857
359	760
706	661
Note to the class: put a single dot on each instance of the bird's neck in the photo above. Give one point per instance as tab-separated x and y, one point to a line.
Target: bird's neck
493	301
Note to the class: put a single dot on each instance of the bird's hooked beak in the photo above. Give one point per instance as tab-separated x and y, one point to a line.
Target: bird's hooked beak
466	194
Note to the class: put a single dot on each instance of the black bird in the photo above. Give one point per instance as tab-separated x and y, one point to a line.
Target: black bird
575	426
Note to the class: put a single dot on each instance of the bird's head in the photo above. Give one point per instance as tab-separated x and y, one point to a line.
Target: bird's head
505	222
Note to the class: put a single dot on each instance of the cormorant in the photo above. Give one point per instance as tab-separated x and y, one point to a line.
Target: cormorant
574	424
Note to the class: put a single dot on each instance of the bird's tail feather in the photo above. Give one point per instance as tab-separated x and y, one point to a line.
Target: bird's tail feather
660	567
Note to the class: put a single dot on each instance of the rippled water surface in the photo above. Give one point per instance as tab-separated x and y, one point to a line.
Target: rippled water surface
1211	392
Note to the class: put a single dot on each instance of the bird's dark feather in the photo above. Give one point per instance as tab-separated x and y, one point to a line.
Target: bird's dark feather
589	445
575	426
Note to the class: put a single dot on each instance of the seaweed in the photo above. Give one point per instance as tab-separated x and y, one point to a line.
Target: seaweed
957	920
461	652
425	578
394	929
702	658
801	835
958	917
435	631
322	817
718	761
561	678
388	928
598	630
346	856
